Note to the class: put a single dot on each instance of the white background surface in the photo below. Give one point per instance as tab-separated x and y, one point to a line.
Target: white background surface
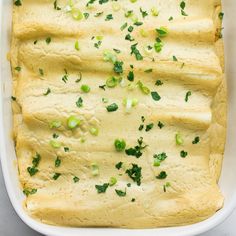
11	225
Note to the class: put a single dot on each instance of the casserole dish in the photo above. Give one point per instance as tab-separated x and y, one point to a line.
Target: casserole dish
11	173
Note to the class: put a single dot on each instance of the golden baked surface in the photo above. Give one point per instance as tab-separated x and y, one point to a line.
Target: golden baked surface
119	110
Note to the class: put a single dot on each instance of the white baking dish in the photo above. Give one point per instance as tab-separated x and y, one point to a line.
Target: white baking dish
227	181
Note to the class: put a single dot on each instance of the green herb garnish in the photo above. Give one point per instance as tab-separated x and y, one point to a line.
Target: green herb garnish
102	188
56	176
120	145
155	96
158	158
196	140
120	193
113	107
135	173
183	154
162	175
79	102
136	150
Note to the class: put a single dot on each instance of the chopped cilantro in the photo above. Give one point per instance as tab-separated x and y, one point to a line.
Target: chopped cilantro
48	40
17	3
135	173
56	176
130	76
79	102
102	188
196	140
158	158
120	193
29	191
149	127
162	175
76	179
159	82
119	165
118	67
136	150
183	154
57	162
160	124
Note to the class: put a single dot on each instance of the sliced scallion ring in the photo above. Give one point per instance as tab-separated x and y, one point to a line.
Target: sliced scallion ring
73	122
55	124
95	169
55	144
112	82
112	181
94	131
77	14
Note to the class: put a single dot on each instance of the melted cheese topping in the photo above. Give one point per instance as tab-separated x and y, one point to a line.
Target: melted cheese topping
57	48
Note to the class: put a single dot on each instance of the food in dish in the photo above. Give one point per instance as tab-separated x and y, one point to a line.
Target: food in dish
119	110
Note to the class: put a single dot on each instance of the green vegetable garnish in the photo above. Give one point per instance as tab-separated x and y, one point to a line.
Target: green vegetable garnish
183	154
120	193
178	139
158	158
112	181
162	175
113	107
102	188
73	122
85	88
120	145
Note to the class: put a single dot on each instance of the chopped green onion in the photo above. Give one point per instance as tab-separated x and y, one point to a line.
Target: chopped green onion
55	124
178	139
143	33
85	88
55	144
158	158
112	181
77	47
120	145
154	11
109	56
94	131
188	94
143	88
73	122
77	14
158	46
112	82
95	169
116	6
105	100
